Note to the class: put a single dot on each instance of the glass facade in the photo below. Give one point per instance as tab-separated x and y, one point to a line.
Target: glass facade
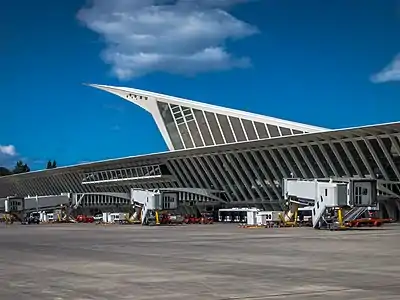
238	129
261	130
126	173
170	125
203	127
273	130
215	128
285	131
191	128
249	127
226	128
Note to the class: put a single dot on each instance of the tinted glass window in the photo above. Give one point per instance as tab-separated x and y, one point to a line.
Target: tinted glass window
170	125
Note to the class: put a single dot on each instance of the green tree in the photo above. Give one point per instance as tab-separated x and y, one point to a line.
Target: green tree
4	171
20	167
51	164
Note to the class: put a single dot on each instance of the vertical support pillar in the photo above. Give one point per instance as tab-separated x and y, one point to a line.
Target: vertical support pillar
340	217
157	218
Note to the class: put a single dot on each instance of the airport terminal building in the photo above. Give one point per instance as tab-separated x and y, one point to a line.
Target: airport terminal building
225	157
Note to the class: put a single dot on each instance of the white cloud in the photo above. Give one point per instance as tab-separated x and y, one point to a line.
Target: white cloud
390	73
181	36
8	153
8	150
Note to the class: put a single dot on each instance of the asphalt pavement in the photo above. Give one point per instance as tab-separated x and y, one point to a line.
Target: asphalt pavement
197	262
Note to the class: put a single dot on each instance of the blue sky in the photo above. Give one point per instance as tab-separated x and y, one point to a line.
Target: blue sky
326	63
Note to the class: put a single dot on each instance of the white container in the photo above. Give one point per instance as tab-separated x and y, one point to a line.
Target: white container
43	217
116	217
261	219
7	205
251	217
50	217
269	216
105	217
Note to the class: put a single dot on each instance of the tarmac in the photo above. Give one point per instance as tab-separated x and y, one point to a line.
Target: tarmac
207	262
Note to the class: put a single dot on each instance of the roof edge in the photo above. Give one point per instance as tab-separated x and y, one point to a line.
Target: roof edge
87	164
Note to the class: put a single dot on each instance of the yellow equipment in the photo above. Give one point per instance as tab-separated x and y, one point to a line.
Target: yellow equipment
289	217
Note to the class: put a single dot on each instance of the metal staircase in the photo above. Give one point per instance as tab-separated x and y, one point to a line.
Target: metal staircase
354	213
318	214
330	198
150	203
146	213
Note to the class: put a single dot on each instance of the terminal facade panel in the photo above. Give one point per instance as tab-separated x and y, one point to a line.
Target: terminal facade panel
220	164
187	124
246	174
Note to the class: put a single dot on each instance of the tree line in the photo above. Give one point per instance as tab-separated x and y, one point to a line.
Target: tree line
21	167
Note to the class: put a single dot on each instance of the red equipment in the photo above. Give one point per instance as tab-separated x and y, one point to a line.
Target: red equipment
207	218
167	218
191	219
376	222
84	219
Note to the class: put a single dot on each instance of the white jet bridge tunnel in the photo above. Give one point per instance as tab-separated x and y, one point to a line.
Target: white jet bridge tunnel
355	194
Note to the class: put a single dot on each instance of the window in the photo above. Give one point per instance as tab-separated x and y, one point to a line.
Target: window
189	118
226	128
170	125
186	136
238	129
195	134
261	130
250	131
175	108
297	131
285	131
178	115
273	130
203	127
180	120
186	111
216	132
357	195
326	192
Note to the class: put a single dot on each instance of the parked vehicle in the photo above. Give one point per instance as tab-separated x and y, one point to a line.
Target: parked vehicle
207	218
191	219
168	218
98	218
84	219
33	218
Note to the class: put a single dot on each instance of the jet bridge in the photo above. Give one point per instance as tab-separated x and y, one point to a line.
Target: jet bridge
330	197
19	207
147	204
